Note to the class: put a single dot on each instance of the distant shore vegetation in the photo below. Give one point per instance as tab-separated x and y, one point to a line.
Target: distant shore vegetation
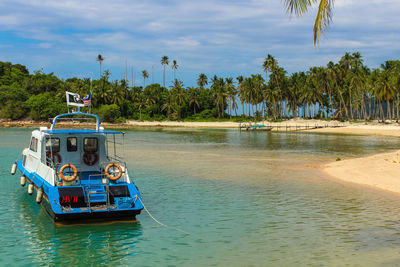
346	90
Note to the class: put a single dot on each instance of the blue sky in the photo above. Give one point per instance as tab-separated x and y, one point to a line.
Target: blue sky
226	38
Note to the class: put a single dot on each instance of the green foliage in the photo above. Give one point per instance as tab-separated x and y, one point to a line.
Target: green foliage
258	115
12	74
120	120
14	110
12	93
109	113
205	115
347	88
41	82
127	108
44	106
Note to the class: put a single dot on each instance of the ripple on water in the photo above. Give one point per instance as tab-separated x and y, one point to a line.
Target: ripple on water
237	194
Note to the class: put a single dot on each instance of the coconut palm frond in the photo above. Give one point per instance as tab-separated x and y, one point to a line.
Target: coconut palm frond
324	17
298	7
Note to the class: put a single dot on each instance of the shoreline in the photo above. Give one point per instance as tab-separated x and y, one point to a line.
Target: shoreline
334	127
378	171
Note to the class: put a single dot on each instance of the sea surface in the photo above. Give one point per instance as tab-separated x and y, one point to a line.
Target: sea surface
228	198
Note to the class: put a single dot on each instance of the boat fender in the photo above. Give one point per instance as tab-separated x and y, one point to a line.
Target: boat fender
23	180
68	178
30	189
13	168
39	195
90	158
110	175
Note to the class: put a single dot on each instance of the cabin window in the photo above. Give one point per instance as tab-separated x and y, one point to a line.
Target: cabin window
90	144
53	145
72	144
33	145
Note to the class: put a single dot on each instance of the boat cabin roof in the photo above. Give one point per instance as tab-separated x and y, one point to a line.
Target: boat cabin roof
81	131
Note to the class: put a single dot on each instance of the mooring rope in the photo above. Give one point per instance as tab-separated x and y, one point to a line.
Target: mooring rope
157	221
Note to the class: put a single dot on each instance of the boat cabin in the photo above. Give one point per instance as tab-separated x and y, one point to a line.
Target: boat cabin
79	172
86	150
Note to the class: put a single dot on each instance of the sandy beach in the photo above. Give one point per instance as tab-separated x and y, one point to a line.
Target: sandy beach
380	171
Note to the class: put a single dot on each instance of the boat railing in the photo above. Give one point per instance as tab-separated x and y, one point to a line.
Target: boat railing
90	192
116	158
66	116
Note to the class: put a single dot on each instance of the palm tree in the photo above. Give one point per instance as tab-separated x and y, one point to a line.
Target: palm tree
386	90
324	14
270	64
313	91
125	88
104	91
296	85
164	61
116	93
214	80
100	60
194	96
169	104
231	94
241	92
179	96
218	89
202	80
145	75
270	97
276	82
141	103
174	66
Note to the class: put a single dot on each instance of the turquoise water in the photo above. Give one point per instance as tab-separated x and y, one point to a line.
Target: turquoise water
247	199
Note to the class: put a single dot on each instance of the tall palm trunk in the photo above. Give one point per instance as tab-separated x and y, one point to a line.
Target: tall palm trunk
345	106
393	109
164	77
397	108
382	114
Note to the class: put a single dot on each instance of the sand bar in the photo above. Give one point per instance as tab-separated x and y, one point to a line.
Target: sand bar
369	129
381	171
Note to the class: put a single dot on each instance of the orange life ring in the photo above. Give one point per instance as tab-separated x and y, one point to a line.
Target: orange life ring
108	174
90	158
70	178
52	156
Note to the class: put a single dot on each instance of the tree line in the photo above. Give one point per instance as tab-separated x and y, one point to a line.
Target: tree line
348	90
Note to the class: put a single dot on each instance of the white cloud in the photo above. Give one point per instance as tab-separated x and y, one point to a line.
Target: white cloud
222	36
182	43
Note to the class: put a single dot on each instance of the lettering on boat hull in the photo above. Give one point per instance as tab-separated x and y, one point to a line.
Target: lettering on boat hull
72	197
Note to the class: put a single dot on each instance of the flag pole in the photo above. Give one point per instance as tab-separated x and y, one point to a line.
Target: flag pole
66	96
90	103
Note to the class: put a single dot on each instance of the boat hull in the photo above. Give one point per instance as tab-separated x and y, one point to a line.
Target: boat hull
53	201
259	130
95	214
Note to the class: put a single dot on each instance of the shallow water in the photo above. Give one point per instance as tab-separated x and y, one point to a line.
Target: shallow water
246	199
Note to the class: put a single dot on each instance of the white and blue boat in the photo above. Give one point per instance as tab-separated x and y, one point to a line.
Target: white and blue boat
79	173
